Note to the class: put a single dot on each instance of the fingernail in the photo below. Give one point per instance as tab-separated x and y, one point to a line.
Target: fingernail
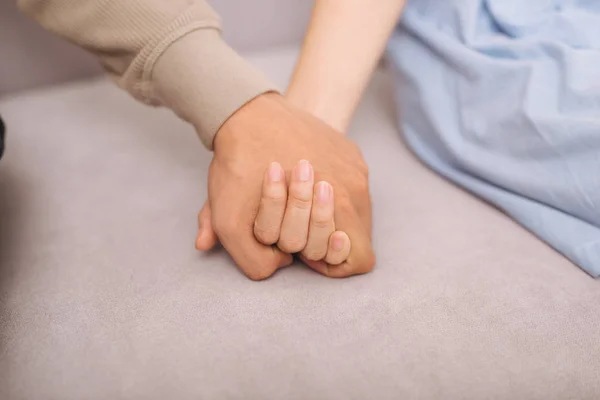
274	172
323	192
303	171
337	244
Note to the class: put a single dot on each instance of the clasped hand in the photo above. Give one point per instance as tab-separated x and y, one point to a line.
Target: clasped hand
282	182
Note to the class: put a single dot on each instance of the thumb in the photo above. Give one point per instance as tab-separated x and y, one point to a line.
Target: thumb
206	238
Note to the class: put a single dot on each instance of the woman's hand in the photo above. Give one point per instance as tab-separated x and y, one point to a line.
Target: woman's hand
341	48
299	219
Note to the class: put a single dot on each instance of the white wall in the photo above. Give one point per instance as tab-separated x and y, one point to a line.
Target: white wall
31	57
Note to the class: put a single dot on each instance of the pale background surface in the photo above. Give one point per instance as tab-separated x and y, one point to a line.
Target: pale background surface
31	57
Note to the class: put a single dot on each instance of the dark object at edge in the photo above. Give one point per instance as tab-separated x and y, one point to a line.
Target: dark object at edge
2	130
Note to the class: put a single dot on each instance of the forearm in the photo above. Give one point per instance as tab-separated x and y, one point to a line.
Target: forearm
342	46
164	52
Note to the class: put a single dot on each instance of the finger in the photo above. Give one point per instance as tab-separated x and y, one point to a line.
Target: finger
343	270
272	205
256	260
319	265
294	229
361	258
206	238
321	222
335	267
339	248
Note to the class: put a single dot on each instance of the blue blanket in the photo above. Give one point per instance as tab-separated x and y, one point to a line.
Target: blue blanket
503	98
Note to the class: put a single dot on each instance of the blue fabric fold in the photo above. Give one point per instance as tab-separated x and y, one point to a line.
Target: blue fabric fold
503	98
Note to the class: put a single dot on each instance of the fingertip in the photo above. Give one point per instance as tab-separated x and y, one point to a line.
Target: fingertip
338	240
205	241
274	173
274	188
341	241
339	248
303	172
323	193
198	242
201	244
206	238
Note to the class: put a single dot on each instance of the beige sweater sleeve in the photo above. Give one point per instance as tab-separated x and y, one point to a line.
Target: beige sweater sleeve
164	52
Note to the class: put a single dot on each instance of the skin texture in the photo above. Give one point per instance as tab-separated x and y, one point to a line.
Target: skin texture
266	129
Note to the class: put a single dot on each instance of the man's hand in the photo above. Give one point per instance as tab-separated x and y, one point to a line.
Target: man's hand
269	129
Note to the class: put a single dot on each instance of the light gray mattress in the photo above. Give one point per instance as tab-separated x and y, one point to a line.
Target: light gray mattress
104	297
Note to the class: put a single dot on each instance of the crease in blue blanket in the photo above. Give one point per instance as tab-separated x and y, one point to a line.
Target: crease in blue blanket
503	98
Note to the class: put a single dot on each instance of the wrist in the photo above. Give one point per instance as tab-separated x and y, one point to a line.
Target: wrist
239	125
319	104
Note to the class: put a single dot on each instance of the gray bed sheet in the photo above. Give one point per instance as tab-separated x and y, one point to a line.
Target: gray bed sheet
104	297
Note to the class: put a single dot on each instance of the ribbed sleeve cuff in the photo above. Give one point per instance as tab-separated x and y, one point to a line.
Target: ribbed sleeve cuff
204	81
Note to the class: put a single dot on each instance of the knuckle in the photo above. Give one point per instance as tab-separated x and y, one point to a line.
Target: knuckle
320	223
301	204
259	274
314	254
266	234
301	190
366	264
291	245
274	199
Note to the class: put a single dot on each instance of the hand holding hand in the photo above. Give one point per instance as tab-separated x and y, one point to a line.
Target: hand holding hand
301	221
269	129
